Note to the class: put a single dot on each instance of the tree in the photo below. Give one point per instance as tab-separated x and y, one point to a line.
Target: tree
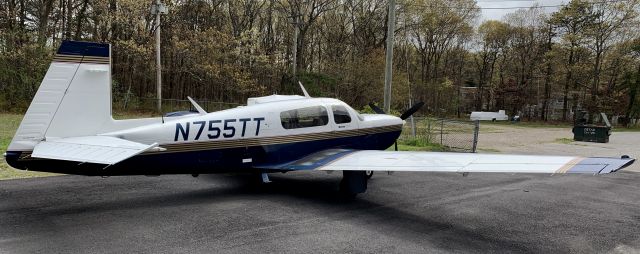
226	51
571	23
608	18
493	39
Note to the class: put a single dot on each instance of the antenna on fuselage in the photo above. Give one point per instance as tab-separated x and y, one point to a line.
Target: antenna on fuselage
304	90
195	105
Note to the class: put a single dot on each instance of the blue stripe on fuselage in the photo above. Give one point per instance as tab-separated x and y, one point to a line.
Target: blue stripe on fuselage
216	160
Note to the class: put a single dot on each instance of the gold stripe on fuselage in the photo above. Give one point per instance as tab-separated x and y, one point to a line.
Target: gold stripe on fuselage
67	58
247	142
81	59
236	143
96	59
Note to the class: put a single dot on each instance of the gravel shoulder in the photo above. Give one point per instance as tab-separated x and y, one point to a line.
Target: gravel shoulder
555	141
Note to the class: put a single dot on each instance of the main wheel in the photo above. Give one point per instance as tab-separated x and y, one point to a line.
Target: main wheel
369	174
353	182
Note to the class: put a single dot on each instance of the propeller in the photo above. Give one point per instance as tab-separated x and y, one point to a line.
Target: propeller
404	115
376	108
411	110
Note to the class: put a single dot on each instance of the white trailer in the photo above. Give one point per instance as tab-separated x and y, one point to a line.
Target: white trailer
489	116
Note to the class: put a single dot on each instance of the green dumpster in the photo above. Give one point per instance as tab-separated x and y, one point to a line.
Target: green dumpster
591	132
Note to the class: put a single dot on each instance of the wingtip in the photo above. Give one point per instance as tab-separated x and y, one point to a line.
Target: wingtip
629	162
625	161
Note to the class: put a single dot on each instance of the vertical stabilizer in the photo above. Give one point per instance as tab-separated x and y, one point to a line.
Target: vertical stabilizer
74	98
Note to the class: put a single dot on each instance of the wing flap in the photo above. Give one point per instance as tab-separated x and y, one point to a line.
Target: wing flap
91	149
331	160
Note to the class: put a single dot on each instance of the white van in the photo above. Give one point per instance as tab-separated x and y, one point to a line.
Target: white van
489	116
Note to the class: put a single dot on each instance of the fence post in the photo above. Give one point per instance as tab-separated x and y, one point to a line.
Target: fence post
476	130
413	128
441	131
428	130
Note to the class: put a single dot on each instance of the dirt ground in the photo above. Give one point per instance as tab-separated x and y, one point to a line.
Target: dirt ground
555	141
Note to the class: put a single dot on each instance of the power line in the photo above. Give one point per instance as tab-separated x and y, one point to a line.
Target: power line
505	8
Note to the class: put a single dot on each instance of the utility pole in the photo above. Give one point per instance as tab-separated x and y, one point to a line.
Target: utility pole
294	51
295	45
391	23
157	9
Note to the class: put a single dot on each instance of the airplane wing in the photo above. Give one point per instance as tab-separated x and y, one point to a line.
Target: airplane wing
360	160
92	149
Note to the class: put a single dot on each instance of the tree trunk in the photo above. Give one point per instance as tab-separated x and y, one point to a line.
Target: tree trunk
43	24
596	83
67	32
81	14
633	92
569	80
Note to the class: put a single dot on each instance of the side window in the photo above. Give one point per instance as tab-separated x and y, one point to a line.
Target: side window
304	117
340	114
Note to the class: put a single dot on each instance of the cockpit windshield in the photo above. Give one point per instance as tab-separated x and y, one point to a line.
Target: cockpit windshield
355	112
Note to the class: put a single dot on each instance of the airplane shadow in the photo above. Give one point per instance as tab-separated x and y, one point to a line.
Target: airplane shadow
319	194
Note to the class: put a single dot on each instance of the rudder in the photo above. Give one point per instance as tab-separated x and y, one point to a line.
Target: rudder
74	98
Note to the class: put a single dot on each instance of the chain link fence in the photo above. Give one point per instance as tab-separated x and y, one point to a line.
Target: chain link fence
149	105
172	105
452	135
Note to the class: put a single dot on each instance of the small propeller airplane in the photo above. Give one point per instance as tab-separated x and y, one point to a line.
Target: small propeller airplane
69	129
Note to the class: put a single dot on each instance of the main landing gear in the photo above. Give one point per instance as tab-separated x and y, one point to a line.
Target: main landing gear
353	183
369	173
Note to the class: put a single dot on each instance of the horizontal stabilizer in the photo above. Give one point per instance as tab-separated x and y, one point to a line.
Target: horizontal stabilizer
91	149
453	162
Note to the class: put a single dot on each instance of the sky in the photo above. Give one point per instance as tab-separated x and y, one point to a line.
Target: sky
499	13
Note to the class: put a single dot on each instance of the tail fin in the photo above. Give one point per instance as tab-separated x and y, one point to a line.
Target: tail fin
74	98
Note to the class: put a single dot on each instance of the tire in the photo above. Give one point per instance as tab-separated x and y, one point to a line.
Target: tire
369	174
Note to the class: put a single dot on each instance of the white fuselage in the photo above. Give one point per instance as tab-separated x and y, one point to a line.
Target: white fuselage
248	122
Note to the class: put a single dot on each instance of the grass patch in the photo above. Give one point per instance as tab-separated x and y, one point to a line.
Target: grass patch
8	125
528	124
117	115
565	141
551	125
418	145
489	150
623	129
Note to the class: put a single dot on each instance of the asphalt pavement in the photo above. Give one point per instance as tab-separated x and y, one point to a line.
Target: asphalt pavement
302	212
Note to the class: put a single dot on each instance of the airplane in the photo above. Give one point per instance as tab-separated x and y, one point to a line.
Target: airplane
68	128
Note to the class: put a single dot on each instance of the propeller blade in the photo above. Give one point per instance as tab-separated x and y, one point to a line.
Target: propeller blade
376	109
412	110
